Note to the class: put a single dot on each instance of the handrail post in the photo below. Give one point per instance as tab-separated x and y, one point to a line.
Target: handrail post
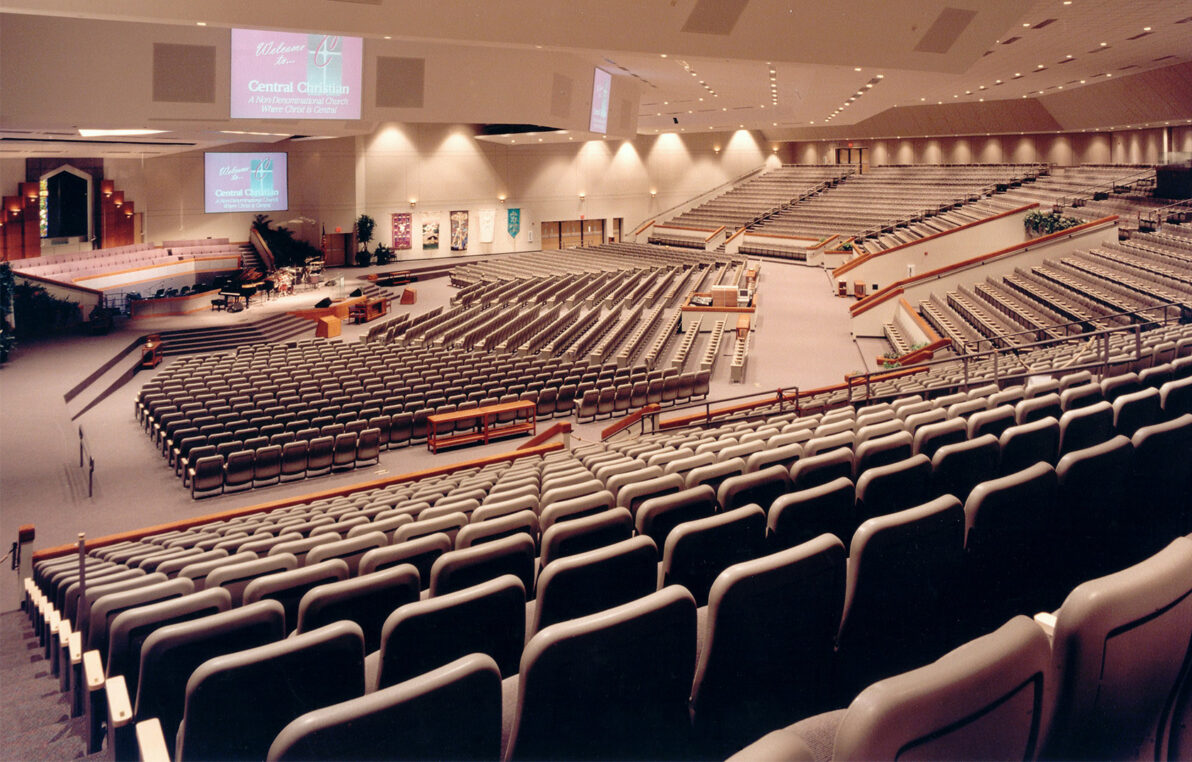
82	543
80	447
90	477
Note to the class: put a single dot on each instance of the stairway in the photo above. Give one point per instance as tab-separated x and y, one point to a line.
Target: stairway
250	259
279	327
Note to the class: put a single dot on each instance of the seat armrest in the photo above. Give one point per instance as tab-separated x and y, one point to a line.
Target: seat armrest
93	671
119	705
151	741
75	646
1046	622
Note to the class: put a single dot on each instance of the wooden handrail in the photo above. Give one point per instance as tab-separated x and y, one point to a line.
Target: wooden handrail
787	237
138	534
644	225
686	227
932	336
738	233
852	263
628	421
58	283
896	288
715	233
562	427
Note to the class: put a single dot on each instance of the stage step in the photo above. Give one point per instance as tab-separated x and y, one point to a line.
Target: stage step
250	259
280	327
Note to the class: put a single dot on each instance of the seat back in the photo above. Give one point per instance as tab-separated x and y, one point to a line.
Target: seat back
657	516
798	517
611	685
453	712
1085	426
761	487
103	610
462	568
1134	410
235	577
426	634
697	551
236	704
478	532
1162	476
420	552
903	569
1025	444
767	652
171	653
822	468
592	581
1096	521
366	600
957	468
588	533
1118	654
349	551
890	488
1009	521
984	700
288	587
131	627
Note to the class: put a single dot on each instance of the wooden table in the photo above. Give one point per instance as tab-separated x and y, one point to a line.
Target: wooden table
151	352
370	309
485	418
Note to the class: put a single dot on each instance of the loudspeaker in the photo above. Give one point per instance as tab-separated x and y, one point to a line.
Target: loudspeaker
356	293
323	303
676	119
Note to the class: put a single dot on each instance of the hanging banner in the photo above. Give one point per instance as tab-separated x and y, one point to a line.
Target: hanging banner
459	231
430	235
514	223
488	224
402	223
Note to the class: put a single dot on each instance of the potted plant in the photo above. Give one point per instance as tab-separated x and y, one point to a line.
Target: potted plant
384	254
364	233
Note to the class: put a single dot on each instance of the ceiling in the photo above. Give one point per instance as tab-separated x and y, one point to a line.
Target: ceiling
794	70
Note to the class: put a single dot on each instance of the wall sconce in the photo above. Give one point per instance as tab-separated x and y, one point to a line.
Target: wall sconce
653	193
581	195
413	202
107	188
501	198
716	149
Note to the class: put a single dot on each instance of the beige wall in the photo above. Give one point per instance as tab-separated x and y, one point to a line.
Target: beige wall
1065	149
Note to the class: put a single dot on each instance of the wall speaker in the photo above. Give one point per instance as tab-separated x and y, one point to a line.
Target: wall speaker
323	303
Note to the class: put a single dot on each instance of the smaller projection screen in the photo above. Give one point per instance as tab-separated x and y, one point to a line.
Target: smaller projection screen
245	182
287	75
601	87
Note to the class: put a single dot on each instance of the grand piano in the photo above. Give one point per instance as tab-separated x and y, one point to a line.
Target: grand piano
238	296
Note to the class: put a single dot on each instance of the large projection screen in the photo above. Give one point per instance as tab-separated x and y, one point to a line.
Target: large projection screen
601	86
245	182
294	75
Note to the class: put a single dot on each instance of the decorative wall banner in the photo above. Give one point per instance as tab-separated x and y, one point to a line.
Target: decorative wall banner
402	224
488	224
514	223
459	231
430	235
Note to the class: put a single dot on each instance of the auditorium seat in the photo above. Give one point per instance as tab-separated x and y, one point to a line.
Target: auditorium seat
1025	444
1161	482
288	587
894	487
801	516
1085	426
1036	407
984	700
658	516
1119	652
169	656
611	685
814	470
584	583
1009	522
457	569
1133	410
697	551
477	532
421	552
768	644
488	618
236	577
349	551
902	589
366	600
236	704
452	712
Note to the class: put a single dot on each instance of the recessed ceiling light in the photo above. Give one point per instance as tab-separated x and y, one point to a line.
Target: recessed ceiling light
881	76
1104	44
997	82
388	37
1146	29
200	23
1067	2
856	68
1082	81
1027	24
663	55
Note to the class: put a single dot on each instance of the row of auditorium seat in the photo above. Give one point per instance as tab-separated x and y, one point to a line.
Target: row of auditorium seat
604	465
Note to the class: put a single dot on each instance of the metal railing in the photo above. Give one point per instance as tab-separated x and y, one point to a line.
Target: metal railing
792	399
705	196
1156	217
1085	194
88	460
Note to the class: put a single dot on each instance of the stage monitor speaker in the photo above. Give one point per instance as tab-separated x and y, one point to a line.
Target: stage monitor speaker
356	293
323	303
